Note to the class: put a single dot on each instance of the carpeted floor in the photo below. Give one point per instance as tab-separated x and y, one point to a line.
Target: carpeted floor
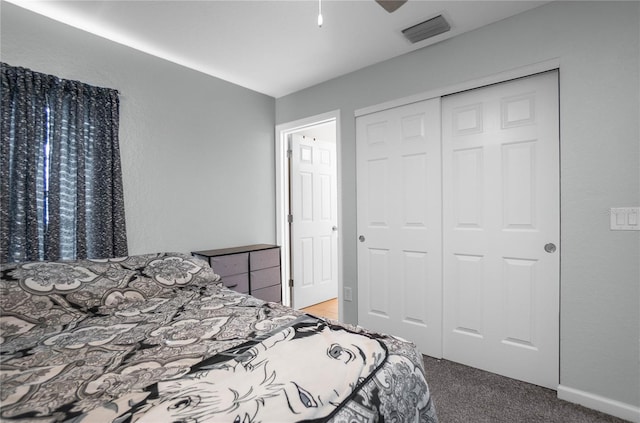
463	395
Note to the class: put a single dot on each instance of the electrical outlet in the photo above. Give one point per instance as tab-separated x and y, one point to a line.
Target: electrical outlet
347	294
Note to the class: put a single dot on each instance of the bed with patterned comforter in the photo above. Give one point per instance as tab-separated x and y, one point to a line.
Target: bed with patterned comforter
157	338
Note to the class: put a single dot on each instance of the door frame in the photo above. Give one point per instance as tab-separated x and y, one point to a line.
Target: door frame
282	132
521	72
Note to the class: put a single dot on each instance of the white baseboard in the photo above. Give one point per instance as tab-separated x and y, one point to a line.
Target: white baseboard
596	402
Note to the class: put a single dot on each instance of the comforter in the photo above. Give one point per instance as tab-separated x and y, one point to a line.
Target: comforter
155	338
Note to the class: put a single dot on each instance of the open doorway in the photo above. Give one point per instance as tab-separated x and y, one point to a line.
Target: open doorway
308	213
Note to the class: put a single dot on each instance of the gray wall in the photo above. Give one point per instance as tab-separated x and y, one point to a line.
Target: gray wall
197	152
598	46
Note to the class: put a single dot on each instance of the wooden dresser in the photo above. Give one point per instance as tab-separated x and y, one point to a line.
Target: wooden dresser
250	269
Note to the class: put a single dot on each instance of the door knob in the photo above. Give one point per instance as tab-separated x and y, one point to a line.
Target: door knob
361	238
550	247
334	228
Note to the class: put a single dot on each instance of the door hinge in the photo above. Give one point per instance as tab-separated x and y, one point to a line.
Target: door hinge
289	154
290	283
290	218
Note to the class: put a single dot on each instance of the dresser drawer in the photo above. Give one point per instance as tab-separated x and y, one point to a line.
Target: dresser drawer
270	293
231	264
239	283
265	277
264	258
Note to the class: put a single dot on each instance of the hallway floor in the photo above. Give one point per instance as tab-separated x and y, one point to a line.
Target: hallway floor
328	309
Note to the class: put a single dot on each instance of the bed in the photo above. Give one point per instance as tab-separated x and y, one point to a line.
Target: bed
158	338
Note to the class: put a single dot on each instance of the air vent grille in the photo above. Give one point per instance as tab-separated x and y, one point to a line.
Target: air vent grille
427	29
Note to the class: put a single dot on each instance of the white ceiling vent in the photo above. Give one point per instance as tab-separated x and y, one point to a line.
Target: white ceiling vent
427	29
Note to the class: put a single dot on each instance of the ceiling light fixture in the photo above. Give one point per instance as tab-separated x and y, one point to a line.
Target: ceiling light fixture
320	20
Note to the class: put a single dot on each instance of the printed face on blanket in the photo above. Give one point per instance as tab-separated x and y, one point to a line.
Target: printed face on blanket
257	382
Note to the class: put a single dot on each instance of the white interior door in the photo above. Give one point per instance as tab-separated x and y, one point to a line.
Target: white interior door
501	228
314	232
399	223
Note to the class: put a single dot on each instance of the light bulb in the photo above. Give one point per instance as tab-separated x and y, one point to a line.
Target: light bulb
320	20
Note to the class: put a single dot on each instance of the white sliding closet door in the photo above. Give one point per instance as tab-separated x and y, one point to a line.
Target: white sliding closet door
501	228
399	223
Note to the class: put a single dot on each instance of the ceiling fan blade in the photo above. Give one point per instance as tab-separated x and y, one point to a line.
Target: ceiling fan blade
391	5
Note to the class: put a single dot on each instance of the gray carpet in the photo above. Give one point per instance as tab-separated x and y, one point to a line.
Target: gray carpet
463	395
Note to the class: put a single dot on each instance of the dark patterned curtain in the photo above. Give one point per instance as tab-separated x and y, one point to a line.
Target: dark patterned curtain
61	190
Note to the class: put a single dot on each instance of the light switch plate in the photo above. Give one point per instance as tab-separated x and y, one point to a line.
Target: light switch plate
625	218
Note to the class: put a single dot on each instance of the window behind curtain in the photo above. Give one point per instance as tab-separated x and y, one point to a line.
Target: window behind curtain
61	189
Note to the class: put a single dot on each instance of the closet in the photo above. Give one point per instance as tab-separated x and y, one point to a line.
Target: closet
458	226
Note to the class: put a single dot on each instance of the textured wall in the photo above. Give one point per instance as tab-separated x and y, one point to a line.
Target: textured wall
197	152
597	44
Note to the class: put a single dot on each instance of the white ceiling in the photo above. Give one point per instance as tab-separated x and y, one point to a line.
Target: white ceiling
273	47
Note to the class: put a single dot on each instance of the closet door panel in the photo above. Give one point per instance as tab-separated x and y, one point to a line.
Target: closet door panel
399	223
500	209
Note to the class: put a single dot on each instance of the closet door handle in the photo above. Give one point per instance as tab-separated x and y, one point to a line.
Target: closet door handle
550	247
361	238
